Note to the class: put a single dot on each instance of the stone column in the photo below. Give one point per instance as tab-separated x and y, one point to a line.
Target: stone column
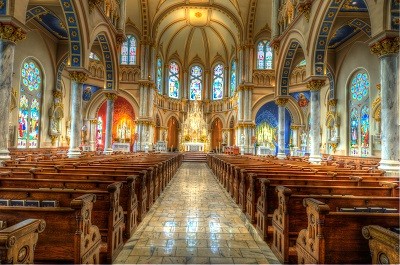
122	13
315	86
166	80
185	87
9	35
206	89
78	77
93	134
387	48
226	83
111	97
281	102
275	12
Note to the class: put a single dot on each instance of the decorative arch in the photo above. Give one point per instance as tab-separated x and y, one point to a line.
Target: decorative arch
287	67
75	39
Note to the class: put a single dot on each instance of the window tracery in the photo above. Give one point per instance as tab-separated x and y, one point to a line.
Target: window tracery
173	80
128	51
195	87
264	55
218	82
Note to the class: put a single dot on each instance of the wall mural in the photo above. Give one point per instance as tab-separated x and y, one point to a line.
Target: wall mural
123	122
88	91
267	126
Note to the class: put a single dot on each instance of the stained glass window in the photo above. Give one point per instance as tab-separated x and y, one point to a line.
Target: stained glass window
128	51
94	56
173	80
159	75
359	115
99	131
196	77
29	105
233	77
218	82
264	55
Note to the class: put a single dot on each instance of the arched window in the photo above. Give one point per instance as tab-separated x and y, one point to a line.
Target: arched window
30	101
196	77
173	80
159	75
218	82
128	51
359	115
264	55
94	56
233	77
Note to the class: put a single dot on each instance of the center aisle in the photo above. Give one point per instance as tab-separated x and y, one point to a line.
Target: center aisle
194	221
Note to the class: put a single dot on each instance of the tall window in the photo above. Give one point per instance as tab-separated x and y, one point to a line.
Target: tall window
359	115
196	76
233	77
173	80
128	51
29	105
218	82
159	75
264	55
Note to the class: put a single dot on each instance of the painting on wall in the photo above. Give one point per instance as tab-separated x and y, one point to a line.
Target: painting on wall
88	91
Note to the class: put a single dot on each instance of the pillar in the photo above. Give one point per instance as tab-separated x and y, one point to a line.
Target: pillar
78	77
315	86
111	97
93	134
9	35
122	13
275	12
281	102
387	48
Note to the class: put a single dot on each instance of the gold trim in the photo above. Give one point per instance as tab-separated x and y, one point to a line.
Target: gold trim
111	96
386	46
315	85
281	101
77	76
11	33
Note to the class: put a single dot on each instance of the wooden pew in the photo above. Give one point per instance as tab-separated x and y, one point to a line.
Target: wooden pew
289	217
18	241
383	244
108	215
336	237
69	236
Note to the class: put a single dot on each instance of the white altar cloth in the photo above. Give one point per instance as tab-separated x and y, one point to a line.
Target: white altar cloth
194	147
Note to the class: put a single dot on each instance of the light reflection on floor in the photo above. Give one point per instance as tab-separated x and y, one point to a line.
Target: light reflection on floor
194	222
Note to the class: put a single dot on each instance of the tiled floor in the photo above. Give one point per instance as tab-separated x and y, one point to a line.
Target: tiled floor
195	221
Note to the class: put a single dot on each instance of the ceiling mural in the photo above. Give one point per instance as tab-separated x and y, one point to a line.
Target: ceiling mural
347	31
50	21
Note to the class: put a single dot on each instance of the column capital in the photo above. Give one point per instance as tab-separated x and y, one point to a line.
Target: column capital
11	32
78	75
275	43
315	83
332	102
245	87
281	101
294	127
386	46
111	96
147	83
93	121
120	37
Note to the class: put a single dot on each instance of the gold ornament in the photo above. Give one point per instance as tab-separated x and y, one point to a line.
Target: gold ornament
332	102
11	33
315	85
281	101
79	77
386	46
111	96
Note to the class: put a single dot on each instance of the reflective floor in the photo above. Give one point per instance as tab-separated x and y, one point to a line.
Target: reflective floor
195	221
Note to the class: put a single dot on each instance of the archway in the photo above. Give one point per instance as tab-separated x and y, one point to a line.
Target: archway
173	131
216	134
124	126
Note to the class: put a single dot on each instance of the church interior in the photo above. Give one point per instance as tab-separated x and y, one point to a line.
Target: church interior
199	131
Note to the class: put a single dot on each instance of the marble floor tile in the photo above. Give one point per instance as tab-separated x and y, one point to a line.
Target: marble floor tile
195	222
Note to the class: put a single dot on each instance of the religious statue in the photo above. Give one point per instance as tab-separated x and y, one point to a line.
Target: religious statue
304	138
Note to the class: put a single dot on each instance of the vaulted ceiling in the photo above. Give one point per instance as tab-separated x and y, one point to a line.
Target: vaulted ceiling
201	31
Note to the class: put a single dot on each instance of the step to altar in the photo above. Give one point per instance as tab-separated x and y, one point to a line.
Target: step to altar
195	157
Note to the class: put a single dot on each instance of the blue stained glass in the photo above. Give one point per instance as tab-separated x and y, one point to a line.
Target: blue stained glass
29	106
196	76
233	77
218	82
264	55
128	51
173	80
360	86
159	75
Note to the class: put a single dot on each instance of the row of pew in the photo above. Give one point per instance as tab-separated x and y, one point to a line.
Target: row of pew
98	203
313	213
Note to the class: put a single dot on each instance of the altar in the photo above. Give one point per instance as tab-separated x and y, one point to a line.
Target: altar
193	147
122	147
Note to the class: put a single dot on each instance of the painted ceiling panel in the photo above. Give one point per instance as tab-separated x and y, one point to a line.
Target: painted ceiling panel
341	35
48	20
354	6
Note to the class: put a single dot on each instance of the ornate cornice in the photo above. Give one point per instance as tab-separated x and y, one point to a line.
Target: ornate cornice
315	85
11	33
78	76
111	96
386	46
281	101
